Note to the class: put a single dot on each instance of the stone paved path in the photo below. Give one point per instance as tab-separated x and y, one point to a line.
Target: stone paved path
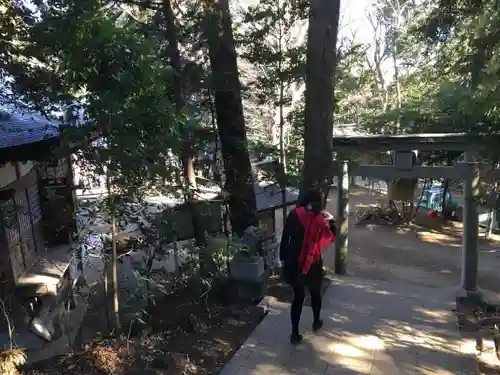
376	328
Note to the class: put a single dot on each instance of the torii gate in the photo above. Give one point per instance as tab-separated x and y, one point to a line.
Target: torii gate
404	167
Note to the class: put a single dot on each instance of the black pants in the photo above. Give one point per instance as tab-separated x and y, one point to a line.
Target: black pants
299	294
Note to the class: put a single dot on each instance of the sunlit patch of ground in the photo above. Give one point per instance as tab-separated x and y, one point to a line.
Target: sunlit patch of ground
438	238
435	315
488	363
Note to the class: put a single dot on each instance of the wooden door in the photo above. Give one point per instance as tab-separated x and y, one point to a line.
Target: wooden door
11	228
57	200
36	217
25	228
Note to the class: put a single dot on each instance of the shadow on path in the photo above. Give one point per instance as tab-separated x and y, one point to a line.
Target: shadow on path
371	327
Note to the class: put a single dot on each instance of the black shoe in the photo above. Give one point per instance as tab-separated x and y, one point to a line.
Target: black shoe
317	325
295	338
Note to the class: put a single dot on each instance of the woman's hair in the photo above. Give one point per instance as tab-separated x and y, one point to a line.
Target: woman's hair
314	200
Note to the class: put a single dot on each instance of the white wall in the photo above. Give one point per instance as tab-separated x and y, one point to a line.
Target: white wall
24	169
7	174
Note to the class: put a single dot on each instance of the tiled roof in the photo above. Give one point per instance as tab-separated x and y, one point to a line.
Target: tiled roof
270	197
349	130
18	127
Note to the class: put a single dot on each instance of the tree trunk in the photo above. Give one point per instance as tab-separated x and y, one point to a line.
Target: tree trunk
112	266
282	154
378	59
229	113
446	187
320	69
172	35
396	79
492	224
114	273
281	93
282	127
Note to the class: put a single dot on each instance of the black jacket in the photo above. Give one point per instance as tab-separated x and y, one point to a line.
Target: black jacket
291	245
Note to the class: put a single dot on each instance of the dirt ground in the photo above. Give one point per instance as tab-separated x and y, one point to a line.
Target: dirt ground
185	336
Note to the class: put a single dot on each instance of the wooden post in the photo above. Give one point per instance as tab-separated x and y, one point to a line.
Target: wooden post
470	221
341	242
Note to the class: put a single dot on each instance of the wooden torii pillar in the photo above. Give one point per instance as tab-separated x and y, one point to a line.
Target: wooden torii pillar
467	170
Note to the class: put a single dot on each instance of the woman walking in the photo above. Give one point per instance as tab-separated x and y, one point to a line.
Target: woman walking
308	231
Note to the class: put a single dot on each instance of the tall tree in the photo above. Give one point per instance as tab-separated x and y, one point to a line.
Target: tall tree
320	68
376	61
187	157
394	14
79	52
271	43
229	112
358	90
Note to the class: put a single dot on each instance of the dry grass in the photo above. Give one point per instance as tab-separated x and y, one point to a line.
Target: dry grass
11	360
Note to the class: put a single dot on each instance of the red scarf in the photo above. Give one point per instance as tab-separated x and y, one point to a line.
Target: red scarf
317	236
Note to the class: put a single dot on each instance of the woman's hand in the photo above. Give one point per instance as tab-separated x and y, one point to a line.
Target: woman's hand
327	215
